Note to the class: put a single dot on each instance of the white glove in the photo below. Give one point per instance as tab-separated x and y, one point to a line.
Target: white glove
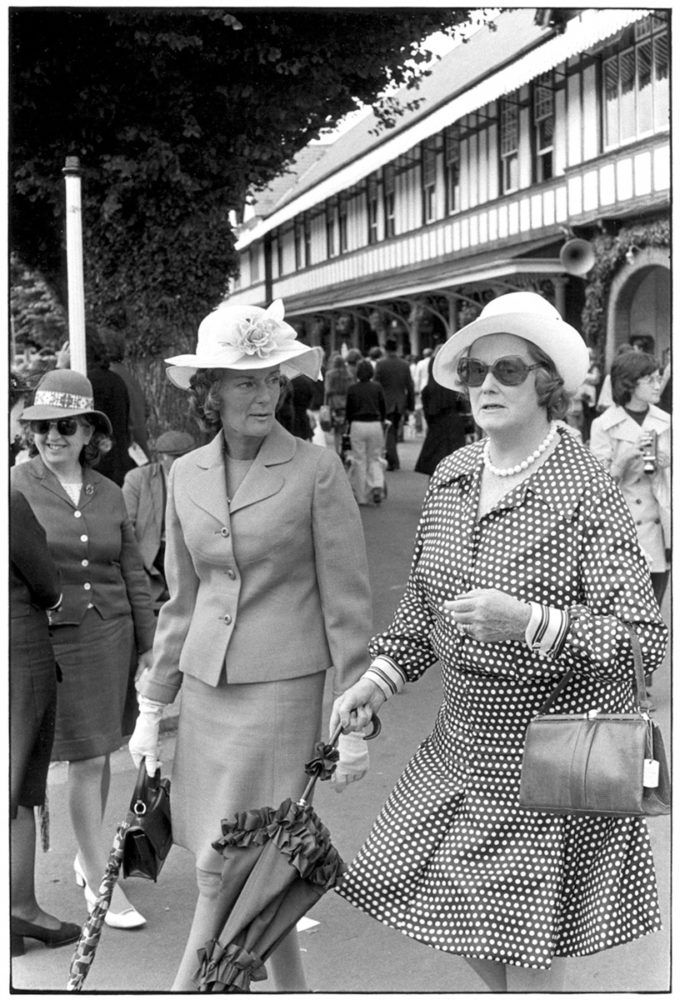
144	741
354	761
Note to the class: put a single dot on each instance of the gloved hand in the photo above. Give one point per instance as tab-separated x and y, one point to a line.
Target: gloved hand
144	740
354	760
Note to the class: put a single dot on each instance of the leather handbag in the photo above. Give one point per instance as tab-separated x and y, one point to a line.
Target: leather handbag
596	763
148	837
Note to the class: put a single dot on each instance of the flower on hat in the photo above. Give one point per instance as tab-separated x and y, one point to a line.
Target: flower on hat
260	336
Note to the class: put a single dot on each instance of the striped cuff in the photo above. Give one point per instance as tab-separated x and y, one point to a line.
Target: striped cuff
547	630
387	675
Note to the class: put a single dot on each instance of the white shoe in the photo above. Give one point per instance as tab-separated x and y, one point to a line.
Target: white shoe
124	920
78	872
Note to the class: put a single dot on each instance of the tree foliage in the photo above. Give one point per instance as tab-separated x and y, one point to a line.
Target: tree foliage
175	113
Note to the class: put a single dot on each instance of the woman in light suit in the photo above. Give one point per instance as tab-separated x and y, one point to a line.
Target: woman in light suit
632	440
268	581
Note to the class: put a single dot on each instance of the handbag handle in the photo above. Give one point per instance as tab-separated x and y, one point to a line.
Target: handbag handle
145	782
639	686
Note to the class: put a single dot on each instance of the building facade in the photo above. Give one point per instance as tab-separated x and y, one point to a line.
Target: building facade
538	157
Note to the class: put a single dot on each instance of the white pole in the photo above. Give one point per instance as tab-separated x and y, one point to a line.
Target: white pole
74	265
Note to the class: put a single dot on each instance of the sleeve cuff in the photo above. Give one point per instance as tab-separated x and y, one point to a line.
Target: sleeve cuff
547	630
387	675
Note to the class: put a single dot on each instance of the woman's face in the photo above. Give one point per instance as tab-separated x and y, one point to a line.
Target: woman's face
647	391
248	402
497	408
61	452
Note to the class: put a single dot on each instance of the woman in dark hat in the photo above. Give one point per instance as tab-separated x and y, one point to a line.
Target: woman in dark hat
106	604
526	565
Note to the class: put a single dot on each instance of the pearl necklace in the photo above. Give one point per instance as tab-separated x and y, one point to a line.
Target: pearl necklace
529	460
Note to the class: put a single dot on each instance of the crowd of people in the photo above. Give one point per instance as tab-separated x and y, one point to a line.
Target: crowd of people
143	567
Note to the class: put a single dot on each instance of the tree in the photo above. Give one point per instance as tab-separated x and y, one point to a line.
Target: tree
176	113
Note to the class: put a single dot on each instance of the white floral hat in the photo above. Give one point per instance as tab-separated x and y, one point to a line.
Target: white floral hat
242	338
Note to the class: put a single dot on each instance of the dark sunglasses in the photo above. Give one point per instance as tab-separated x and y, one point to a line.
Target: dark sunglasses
508	371
66	426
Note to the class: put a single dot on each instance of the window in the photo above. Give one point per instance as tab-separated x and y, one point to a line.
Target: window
452	168
428	167
635	82
308	241
331	213
372	208
342	223
299	244
254	264
279	252
510	143
544	126
388	199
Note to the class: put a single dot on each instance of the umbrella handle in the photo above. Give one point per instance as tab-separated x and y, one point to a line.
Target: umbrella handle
335	736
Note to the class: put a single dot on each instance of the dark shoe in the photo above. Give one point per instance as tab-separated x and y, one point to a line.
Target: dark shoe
51	938
377	495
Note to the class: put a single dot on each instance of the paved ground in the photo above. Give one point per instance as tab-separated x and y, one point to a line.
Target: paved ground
345	951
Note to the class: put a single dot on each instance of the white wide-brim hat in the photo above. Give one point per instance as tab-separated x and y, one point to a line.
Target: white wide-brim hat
243	338
523	314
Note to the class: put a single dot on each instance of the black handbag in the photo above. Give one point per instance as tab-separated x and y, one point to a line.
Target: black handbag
594	762
148	838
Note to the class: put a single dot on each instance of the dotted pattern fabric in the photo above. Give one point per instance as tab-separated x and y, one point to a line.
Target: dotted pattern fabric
452	860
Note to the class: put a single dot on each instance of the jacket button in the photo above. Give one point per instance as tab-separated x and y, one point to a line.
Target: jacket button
87	586
657	520
77	513
85	562
227	619
638	501
83	538
224	532
231	574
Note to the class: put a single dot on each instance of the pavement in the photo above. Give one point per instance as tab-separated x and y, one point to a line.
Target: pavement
344	951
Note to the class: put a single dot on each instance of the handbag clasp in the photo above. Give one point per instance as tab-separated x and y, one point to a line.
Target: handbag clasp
139	808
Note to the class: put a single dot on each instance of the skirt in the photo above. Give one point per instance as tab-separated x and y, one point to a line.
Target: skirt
95	663
239	747
32	708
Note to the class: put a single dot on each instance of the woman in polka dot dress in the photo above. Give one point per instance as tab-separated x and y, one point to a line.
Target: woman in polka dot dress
526	564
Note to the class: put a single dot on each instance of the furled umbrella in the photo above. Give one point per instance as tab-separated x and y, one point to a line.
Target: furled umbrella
277	864
92	928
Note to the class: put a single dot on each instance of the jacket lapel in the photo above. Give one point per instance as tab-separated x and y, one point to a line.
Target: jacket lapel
264	478
208	488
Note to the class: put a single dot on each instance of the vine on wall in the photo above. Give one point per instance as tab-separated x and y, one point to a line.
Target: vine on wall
610	254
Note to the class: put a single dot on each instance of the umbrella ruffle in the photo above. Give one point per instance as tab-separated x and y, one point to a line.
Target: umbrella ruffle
230	969
297	832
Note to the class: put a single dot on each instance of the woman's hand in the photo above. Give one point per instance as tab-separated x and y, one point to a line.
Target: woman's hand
489	615
354	709
144	661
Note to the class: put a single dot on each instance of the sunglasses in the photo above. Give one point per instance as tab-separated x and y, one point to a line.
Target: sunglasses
508	371
66	426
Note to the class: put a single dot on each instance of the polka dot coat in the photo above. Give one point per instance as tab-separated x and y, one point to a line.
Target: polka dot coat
452	860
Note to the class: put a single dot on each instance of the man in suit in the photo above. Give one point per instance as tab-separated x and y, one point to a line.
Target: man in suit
145	494
394	375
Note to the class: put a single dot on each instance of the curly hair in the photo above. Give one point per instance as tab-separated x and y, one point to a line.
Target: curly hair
627	370
98	446
205	402
549	385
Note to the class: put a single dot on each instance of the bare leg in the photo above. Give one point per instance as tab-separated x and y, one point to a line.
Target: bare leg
88	784
493	973
288	975
537	980
23	903
206	925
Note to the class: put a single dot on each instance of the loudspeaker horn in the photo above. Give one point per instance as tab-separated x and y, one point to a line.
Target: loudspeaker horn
577	256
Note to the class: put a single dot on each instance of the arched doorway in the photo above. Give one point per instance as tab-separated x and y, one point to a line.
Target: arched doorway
640	302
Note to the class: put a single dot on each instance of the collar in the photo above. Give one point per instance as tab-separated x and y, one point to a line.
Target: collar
278	447
656	418
578	467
